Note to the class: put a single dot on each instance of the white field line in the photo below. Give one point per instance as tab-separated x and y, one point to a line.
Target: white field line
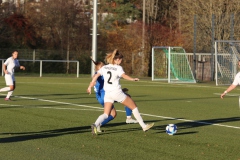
228	94
150	115
9	105
75	109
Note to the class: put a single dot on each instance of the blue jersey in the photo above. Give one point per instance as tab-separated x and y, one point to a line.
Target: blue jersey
98	88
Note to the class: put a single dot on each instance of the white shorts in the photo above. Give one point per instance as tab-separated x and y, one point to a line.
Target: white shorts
9	79
117	95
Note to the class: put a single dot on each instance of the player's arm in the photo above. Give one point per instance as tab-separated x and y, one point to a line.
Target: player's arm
18	65
93	82
22	67
228	90
129	78
5	69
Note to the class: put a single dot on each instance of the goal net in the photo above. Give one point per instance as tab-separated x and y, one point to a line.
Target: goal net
226	61
171	64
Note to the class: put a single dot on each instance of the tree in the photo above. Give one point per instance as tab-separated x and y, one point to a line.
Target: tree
204	9
63	26
119	12
24	32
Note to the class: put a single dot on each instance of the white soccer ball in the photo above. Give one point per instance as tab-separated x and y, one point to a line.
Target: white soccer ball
171	129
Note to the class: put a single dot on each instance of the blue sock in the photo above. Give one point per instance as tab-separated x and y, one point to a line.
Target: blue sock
110	117
128	111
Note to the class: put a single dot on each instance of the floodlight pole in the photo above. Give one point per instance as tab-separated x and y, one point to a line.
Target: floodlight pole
94	37
143	35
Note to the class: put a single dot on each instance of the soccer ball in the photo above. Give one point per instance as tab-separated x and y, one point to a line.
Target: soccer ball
171	129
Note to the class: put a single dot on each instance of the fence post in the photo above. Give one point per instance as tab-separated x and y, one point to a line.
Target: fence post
77	69
40	68
34	56
215	46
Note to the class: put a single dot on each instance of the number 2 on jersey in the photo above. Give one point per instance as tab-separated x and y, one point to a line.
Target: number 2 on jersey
110	76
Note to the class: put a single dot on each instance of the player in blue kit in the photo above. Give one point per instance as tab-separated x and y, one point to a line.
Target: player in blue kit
113	92
98	88
8	68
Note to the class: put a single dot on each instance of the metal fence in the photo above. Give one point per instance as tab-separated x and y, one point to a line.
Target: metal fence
41	71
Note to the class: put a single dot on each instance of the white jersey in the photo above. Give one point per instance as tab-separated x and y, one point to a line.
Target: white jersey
111	74
237	79
11	64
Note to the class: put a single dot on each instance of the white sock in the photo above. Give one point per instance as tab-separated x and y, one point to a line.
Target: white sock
100	119
9	94
129	117
5	89
138	117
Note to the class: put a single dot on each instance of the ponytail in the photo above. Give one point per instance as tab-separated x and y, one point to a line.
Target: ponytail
98	65
110	57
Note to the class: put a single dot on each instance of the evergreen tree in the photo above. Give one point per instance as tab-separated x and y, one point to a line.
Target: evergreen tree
119	12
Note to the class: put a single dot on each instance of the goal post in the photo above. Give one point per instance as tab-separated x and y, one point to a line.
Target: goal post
227	54
171	64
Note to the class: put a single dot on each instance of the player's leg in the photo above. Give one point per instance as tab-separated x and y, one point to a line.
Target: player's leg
5	89
107	111
9	83
102	117
100	98
12	87
131	104
129	116
128	110
112	115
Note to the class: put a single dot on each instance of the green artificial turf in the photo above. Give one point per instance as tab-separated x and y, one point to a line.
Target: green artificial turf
50	118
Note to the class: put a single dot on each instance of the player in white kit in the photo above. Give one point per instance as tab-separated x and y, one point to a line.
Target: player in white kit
8	68
113	92
235	83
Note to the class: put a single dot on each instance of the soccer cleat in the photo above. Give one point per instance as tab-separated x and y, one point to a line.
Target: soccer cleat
94	129
148	126
99	129
7	99
130	120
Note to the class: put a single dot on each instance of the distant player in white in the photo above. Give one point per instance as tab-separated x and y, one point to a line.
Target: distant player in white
235	83
8	68
113	92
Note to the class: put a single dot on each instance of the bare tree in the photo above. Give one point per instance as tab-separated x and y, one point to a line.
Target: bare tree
63	25
204	9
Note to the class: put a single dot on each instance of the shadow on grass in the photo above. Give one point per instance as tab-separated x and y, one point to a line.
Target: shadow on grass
25	136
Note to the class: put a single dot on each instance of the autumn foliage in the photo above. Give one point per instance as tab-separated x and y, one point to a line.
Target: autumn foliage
129	41
23	31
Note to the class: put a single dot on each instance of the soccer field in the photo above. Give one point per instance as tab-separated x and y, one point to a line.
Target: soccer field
50	118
